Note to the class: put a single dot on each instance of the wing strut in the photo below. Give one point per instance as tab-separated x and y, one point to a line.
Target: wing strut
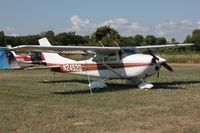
88	76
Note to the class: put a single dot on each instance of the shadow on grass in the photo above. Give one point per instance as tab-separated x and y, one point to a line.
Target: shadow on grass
83	81
120	87
173	84
110	88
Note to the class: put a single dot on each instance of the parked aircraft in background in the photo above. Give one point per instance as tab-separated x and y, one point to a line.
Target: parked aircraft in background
31	58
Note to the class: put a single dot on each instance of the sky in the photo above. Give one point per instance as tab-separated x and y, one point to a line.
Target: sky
162	18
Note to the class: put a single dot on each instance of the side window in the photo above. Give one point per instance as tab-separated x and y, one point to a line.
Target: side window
105	58
98	58
35	55
110	58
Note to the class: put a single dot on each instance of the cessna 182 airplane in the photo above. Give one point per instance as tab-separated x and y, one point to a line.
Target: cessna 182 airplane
107	62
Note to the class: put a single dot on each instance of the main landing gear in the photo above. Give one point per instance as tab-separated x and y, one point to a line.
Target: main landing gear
142	84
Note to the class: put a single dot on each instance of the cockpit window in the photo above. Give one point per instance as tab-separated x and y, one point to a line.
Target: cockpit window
105	58
131	50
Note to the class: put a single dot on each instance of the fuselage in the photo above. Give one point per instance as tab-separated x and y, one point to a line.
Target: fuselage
131	66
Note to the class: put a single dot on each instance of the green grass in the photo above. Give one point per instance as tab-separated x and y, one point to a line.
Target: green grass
30	101
182	58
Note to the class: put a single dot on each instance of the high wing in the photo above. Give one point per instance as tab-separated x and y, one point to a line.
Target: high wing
90	49
60	49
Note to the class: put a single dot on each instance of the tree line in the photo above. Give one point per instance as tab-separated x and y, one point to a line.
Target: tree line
106	35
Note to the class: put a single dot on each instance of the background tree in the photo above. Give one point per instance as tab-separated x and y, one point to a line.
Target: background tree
138	39
33	39
173	41
188	39
10	40
49	35
70	38
65	38
161	41
195	38
150	40
2	38
107	36
128	41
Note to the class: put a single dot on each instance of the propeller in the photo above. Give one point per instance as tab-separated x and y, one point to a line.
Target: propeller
169	68
164	64
151	53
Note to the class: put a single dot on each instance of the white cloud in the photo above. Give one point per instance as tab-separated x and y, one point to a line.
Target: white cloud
174	29
161	34
10	31
175	25
125	27
78	23
81	26
122	25
198	23
171	29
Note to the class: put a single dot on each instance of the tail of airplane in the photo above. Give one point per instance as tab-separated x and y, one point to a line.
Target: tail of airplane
53	58
13	52
7	59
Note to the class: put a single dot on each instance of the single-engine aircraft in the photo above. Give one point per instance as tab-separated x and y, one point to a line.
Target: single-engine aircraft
107	62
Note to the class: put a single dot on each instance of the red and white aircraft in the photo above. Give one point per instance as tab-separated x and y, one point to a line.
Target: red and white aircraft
31	58
107	62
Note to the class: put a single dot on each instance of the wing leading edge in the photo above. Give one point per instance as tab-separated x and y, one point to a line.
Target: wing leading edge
90	49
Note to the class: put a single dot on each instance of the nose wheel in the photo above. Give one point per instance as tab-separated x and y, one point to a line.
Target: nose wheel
140	83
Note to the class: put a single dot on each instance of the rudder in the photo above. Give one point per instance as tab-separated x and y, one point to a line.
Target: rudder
53	58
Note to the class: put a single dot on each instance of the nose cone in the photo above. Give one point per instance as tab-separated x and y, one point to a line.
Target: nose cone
161	60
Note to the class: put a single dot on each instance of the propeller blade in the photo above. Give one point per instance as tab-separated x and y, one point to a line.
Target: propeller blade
150	52
165	65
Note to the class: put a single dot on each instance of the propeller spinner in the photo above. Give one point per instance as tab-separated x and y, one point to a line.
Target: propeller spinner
161	62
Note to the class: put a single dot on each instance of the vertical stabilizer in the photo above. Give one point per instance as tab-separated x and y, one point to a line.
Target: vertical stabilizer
53	58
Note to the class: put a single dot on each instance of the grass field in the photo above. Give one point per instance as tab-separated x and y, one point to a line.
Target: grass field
30	101
182	58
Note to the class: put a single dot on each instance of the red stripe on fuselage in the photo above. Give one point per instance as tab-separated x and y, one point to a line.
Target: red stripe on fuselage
23	57
93	67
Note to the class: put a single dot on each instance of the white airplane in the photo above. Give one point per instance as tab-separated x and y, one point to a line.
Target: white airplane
107	62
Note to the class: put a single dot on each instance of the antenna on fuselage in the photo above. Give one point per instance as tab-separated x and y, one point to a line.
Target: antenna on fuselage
88	76
121	51
116	44
101	43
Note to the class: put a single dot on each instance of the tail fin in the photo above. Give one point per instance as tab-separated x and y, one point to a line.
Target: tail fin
53	58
